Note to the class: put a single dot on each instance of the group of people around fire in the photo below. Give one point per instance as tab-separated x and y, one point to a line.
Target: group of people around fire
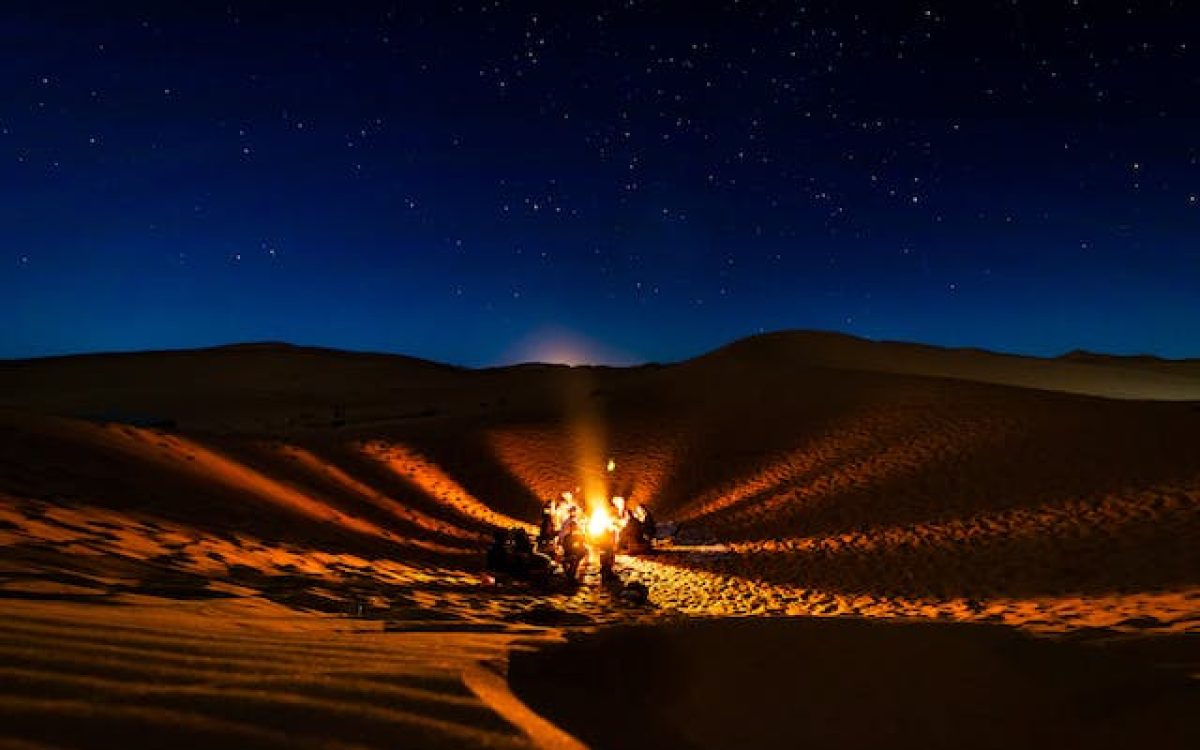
566	535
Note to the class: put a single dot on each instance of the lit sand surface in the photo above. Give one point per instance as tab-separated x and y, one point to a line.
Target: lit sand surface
241	673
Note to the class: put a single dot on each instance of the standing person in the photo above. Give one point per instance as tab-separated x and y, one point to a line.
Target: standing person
649	527
631	534
620	510
563	508
548	528
621	520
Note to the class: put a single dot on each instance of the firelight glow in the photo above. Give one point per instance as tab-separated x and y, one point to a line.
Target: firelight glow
600	521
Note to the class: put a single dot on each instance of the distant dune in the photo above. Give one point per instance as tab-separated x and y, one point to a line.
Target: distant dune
1138	377
168	518
241	370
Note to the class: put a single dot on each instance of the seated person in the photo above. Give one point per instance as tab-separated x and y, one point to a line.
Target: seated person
640	530
525	561
573	545
497	554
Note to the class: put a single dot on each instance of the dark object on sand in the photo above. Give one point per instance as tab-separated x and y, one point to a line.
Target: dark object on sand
496	560
512	553
637	537
606	549
649	527
635	593
547	528
549	615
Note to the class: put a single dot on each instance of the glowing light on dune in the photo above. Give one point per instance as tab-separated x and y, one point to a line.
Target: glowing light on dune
574	453
787	469
867	449
539	461
870	471
595	489
547	459
540	458
557	346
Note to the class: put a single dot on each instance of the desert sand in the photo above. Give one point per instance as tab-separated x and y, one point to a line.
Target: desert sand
274	546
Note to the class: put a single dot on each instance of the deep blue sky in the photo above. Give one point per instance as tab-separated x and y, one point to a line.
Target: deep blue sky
461	181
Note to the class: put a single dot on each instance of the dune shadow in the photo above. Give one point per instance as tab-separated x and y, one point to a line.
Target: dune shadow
787	682
469	458
145	474
361	461
423	468
321	469
56	596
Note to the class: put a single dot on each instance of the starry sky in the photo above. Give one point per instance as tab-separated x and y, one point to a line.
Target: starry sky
482	183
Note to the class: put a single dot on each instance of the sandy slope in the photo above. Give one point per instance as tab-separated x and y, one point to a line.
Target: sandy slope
239	672
229	506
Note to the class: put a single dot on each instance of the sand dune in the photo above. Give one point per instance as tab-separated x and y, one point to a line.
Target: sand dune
238	673
1140	377
268	545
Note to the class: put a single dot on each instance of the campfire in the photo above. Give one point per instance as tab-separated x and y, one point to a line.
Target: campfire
601	521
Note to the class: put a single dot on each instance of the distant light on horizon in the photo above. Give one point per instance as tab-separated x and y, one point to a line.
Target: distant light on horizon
558	346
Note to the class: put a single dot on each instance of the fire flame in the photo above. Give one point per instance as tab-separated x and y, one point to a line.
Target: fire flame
600	522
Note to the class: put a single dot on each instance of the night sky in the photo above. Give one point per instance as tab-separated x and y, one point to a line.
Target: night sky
483	183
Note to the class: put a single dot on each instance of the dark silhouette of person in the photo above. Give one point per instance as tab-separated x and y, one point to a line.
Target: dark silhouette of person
571	542
497	553
526	561
548	527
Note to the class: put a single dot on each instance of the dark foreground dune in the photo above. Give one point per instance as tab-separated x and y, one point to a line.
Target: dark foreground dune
852	683
268	546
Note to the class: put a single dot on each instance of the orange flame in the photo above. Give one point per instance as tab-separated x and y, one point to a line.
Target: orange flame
600	522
